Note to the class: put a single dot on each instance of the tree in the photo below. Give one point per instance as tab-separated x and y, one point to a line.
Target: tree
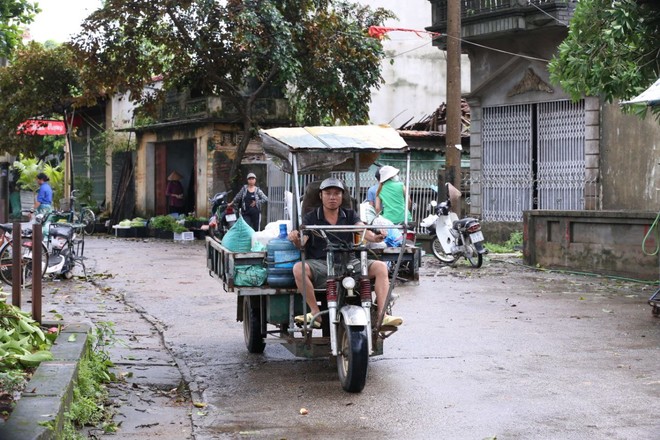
14	14
38	83
316	51
612	49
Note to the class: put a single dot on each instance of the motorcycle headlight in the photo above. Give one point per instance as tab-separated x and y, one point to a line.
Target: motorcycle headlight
348	283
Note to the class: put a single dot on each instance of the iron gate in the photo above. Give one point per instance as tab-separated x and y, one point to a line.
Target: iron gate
507	176
561	163
533	158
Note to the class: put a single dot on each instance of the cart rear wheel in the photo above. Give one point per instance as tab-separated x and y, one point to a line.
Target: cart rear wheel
440	254
254	341
353	357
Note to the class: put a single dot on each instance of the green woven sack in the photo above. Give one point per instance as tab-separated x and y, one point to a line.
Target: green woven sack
239	237
250	275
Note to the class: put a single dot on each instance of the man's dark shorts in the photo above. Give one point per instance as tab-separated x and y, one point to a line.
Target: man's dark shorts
320	270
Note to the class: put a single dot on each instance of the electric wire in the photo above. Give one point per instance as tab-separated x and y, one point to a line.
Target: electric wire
439	35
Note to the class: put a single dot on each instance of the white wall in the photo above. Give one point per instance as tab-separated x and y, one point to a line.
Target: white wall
416	83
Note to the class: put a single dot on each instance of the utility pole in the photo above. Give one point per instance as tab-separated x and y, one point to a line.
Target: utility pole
453	132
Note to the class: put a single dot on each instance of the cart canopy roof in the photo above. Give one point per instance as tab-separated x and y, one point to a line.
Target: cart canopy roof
330	148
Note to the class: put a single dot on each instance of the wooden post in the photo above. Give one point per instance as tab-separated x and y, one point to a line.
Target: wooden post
453	135
16	265
37	256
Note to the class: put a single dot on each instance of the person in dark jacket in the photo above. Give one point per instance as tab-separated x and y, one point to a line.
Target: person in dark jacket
250	199
174	193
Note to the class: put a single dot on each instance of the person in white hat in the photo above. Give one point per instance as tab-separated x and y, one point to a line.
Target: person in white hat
174	193
391	196
331	192
251	197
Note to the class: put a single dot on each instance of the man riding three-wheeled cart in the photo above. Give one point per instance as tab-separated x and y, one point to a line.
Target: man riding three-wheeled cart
328	256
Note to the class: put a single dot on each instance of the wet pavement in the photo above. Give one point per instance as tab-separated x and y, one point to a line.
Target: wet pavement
503	351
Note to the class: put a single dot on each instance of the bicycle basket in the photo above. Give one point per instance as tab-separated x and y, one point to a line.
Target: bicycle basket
61	230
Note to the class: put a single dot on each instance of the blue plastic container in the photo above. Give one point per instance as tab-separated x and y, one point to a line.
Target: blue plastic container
281	256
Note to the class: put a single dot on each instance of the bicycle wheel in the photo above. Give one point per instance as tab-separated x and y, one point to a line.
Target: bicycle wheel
7	262
88	218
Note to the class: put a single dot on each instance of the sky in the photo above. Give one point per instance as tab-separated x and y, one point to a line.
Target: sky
60	19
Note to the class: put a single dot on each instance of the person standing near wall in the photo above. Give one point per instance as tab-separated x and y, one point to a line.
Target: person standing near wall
44	200
174	193
251	197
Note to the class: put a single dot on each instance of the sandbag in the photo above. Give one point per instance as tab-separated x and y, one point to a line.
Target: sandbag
250	275
239	237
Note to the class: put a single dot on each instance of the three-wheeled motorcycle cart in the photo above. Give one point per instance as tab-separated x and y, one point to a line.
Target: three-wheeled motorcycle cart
352	329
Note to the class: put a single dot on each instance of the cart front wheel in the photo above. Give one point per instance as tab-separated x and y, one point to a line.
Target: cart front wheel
353	357
252	325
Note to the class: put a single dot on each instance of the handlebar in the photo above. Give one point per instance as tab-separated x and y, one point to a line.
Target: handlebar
353	228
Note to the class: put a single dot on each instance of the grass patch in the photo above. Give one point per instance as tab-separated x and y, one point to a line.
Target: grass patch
90	406
513	244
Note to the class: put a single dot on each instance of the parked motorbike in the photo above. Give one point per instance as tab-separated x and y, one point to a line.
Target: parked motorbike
62	255
59	239
222	217
454	238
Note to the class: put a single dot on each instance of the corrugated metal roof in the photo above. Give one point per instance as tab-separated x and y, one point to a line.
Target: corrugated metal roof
336	139
330	148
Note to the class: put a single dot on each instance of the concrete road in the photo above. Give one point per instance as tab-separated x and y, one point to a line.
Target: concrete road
502	352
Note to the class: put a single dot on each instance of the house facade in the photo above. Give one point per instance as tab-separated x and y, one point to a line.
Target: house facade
413	69
196	137
532	147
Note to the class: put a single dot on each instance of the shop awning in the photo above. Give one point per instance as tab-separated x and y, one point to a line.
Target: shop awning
650	96
42	127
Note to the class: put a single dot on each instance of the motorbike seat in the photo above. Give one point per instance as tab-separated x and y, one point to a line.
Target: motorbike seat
462	223
8	228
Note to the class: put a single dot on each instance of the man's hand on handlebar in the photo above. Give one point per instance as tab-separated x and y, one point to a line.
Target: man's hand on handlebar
294	237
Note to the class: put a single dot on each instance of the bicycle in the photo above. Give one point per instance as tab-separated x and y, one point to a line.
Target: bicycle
7	256
84	218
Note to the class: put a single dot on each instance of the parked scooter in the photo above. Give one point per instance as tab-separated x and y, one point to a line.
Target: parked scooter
59	239
454	238
222	216
62	256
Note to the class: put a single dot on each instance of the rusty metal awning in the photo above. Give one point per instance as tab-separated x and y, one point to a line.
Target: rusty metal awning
328	148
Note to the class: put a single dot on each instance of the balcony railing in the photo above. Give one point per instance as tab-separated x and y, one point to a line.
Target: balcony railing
481	9
182	109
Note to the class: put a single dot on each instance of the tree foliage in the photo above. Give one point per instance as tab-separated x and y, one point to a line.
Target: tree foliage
612	49
38	83
317	52
13	15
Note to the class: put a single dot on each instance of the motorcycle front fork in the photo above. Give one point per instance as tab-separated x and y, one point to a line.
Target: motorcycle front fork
331	295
